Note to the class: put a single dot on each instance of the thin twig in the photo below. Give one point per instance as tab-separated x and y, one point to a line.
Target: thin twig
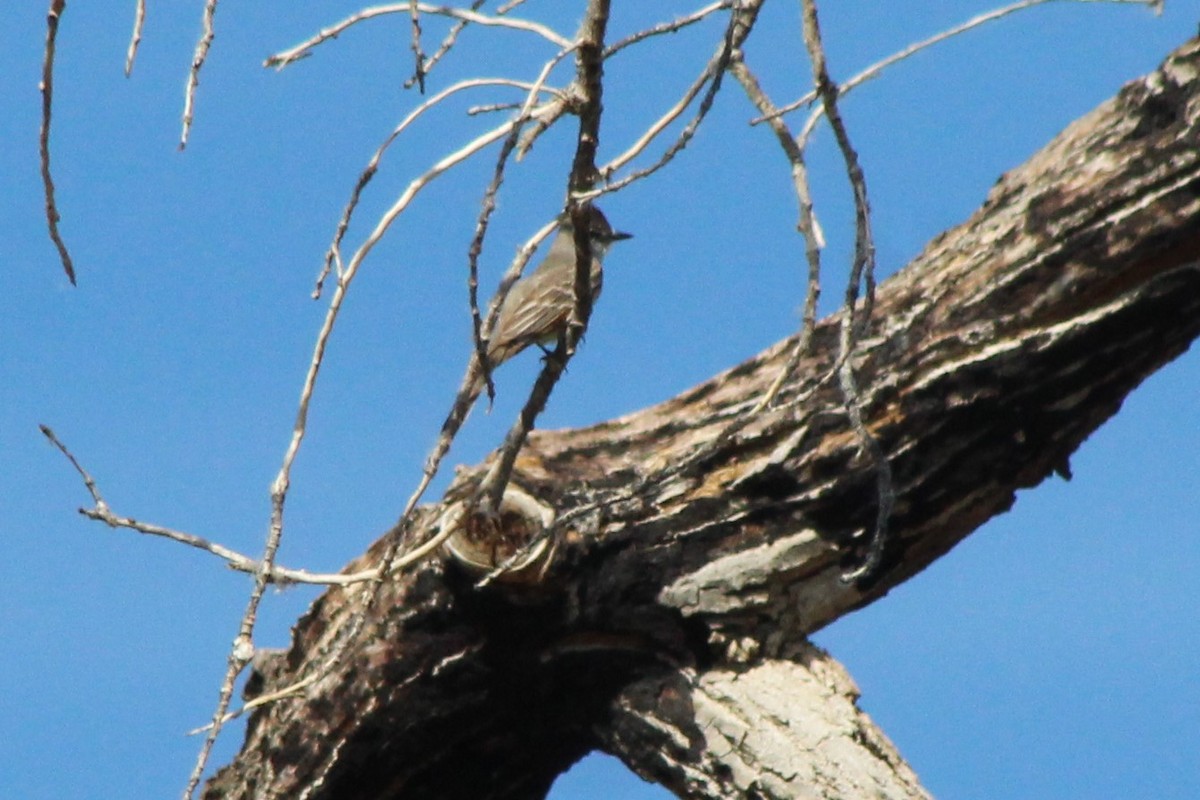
714	66
555	110
333	255
863	268
444	47
189	98
806	223
713	73
673	26
861	273
343	638
282	59
509	6
667	117
88	482
238	561
358	620
672	113
418	53
139	19
491	108
875	69
57	7
520	555
487	207
262	700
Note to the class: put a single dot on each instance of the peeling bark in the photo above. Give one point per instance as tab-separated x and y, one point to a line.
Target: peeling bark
696	543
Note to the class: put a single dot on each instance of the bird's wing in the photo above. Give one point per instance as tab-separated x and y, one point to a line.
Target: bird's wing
530	317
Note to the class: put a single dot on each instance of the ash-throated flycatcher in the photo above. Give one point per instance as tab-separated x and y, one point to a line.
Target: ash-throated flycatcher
538	306
536	311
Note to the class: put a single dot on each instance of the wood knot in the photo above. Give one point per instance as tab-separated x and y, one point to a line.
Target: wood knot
513	543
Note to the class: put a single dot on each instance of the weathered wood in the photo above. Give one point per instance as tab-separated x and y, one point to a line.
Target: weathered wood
698	542
779	727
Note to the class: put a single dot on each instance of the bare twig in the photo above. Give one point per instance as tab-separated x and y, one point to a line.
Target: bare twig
139	19
509	6
303	49
806	224
555	110
57	7
347	637
491	108
444	47
671	114
863	269
102	512
333	255
242	563
875	69
861	273
714	71
673	26
88	482
476	248
264	699
189	98
713	67
418	53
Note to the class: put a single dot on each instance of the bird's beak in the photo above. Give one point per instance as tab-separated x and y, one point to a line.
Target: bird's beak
619	235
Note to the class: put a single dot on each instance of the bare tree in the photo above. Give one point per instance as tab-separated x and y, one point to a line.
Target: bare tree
647	585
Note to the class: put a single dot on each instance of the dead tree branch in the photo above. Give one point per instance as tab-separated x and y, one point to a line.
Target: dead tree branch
683	580
57	7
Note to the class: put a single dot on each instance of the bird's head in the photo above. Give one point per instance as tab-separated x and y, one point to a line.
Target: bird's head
600	232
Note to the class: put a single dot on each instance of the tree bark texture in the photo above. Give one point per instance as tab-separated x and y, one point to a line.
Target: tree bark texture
693	546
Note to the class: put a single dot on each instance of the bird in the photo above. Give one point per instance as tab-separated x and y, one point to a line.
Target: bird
536	310
539	306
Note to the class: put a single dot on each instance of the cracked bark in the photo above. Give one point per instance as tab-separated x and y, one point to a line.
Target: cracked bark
696	544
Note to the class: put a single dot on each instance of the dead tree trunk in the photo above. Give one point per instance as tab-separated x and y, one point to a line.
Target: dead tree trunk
697	543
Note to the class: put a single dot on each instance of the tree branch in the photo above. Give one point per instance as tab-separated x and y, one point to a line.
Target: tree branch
682	573
57	8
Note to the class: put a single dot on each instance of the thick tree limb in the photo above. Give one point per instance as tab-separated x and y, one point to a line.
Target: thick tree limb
731	731
696	543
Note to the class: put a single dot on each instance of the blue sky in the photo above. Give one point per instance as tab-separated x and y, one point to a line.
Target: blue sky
1052	654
